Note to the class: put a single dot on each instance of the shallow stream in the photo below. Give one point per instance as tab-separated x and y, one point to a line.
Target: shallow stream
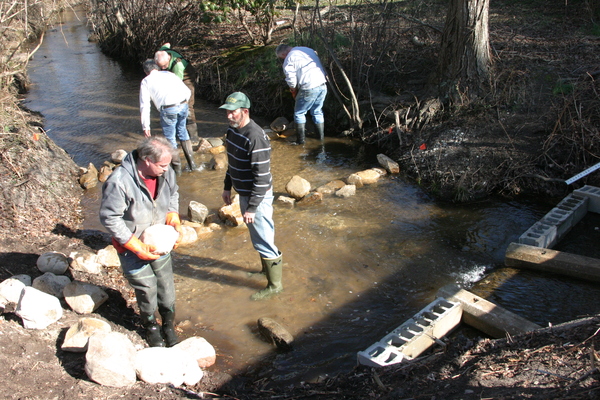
354	268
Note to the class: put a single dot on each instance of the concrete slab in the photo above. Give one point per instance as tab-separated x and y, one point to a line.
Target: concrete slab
548	260
486	316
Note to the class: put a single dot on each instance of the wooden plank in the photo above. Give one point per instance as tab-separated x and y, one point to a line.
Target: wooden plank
548	260
485	315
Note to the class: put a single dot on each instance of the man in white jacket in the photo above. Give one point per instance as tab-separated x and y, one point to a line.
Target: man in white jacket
307	80
170	97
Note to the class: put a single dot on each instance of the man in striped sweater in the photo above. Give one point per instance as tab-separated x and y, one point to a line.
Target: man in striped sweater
249	173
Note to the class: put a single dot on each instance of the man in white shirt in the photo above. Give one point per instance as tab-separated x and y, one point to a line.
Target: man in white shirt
306	79
170	97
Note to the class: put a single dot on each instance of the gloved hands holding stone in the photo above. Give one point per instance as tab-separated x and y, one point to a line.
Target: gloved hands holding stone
142	250
175	222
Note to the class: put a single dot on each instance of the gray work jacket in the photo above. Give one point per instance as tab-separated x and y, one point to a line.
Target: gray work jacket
127	206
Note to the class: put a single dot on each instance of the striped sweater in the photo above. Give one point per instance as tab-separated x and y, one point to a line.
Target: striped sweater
249	157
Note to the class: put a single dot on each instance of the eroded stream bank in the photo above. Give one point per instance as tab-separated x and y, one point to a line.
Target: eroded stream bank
354	268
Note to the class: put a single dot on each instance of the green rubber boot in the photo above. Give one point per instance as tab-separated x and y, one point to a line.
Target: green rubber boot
274	272
263	271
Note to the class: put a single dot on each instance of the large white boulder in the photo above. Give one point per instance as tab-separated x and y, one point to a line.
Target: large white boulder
203	352
10	290
167	365
161	236
110	359
38	309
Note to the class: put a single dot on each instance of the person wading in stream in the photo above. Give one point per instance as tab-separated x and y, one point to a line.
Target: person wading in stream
140	193
171	60
249	173
307	81
170	96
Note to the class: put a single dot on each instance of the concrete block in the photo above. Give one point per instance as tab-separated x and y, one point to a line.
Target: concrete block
540	235
414	336
549	230
592	193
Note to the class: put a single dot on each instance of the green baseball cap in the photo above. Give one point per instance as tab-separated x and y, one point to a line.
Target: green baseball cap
236	100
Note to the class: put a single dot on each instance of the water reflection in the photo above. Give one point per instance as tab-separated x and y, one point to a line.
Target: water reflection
354	268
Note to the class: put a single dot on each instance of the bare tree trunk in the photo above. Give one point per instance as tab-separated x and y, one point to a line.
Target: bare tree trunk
465	60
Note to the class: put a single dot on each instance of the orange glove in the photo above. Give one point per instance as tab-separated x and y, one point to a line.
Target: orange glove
142	250
175	222
294	91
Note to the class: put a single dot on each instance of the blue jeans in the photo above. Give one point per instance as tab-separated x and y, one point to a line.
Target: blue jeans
310	100
172	121
262	231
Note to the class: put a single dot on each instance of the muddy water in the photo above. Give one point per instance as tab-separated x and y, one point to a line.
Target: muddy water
353	268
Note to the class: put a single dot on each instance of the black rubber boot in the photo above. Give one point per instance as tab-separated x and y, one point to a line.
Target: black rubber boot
192	129
300	134
274	269
168	325
188	152
153	335
320	130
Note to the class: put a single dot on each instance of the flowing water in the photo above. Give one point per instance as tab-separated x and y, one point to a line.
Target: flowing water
354	268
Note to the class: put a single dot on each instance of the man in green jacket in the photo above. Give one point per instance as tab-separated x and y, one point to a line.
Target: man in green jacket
170	60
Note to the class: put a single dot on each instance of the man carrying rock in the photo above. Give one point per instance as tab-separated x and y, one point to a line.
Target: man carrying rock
170	97
249	173
307	80
140	193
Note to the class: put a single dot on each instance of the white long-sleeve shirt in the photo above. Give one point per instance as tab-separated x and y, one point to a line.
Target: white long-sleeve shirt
163	88
303	69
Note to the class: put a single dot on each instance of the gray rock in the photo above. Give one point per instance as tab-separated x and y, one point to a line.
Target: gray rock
54	262
85	261
118	156
275	333
232	213
197	212
110	359
288	201
311	198
84	298
51	284
331	187
38	309
297	187
346	191
78	335
390	165
108	257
